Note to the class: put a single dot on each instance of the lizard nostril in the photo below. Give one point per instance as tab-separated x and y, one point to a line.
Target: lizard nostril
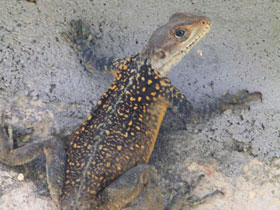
205	21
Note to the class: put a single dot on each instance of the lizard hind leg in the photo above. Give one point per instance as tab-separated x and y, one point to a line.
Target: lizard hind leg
51	147
128	186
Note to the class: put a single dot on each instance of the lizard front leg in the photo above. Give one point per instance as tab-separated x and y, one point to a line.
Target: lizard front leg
182	107
82	41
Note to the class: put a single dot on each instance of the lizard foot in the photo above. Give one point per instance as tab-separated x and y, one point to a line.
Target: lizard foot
179	203
239	100
78	36
81	40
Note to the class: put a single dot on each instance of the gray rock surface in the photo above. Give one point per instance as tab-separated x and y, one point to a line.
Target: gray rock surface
45	90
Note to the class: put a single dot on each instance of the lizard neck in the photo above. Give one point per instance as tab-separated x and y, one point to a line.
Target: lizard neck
146	56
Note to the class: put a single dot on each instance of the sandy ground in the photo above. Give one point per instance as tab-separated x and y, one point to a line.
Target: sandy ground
45	90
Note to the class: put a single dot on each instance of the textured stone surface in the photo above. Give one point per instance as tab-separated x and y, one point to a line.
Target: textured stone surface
43	88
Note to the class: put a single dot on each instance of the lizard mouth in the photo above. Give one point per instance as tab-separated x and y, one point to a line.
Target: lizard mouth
197	39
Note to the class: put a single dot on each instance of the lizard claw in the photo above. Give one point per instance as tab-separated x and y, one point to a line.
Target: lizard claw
191	199
6	133
239	100
78	36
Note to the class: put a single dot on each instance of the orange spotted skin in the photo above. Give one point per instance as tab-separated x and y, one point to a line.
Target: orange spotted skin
120	133
104	167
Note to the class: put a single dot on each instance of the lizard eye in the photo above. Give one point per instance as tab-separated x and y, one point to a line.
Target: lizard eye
180	33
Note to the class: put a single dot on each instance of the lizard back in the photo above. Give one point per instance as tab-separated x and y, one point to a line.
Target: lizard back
121	131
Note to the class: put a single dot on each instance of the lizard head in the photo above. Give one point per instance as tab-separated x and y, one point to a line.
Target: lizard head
172	41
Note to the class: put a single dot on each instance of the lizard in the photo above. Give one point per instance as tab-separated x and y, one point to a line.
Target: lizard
104	164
